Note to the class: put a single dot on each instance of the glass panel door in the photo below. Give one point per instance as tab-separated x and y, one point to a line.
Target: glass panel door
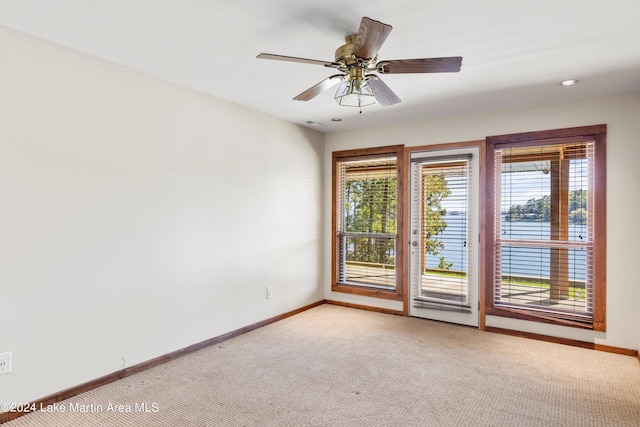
444	235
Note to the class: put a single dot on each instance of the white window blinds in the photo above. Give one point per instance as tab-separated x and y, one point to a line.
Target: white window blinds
440	232
543	231
367	221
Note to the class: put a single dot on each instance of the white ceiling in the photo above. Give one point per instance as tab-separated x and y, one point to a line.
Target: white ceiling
515	51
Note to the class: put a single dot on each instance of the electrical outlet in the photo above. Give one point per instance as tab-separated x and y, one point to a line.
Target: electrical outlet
269	292
5	363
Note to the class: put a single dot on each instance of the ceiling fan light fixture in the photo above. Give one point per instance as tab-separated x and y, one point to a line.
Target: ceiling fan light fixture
355	93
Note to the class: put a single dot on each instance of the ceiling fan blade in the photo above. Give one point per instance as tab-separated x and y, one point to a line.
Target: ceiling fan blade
294	59
316	90
371	36
383	93
450	64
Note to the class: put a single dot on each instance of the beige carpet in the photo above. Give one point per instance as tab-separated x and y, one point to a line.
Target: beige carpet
335	366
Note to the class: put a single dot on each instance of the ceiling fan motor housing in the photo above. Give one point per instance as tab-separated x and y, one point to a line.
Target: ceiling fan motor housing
344	54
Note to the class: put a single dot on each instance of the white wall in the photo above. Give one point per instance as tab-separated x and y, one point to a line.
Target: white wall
638	185
138	217
620	113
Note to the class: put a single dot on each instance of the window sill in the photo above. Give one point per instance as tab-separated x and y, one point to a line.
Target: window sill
541	318
367	291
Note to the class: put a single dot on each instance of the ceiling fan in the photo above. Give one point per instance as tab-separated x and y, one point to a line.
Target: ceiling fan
357	60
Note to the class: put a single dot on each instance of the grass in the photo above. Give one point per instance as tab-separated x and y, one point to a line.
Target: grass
575	293
446	273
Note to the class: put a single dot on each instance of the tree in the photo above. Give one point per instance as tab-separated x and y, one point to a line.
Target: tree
443	264
435	190
540	209
370	206
577	200
578	216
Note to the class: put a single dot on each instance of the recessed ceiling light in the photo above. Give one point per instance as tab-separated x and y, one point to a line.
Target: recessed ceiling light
337	119
569	82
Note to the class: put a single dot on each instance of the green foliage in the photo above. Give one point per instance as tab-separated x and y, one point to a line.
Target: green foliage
577	200
443	264
371	207
534	209
578	206
435	190
540	209
578	216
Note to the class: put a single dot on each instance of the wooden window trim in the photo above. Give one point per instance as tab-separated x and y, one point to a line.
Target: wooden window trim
598	133
400	291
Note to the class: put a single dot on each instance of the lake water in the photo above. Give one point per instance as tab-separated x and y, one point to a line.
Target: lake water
523	261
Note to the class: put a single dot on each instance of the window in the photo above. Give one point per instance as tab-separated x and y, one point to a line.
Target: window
367	222
545	226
